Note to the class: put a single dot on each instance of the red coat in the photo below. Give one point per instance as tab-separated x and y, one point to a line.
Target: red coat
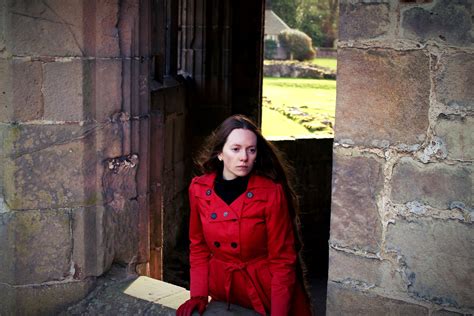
244	253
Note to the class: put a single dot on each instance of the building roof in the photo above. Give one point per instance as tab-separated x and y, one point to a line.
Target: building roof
274	24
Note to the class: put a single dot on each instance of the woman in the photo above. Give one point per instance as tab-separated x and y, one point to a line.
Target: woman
242	226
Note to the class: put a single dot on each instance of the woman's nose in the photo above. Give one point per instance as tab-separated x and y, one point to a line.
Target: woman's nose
244	156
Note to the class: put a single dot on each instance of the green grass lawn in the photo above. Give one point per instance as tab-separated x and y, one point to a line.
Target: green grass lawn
275	124
330	63
308	103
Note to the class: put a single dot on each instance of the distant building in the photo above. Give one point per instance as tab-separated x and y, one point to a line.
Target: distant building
273	26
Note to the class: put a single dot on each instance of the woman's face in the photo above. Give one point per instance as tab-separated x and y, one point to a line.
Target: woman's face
239	153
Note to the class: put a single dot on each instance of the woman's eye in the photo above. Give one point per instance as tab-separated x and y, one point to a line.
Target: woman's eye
235	149
252	151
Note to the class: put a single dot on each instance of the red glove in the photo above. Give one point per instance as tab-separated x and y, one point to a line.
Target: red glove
187	308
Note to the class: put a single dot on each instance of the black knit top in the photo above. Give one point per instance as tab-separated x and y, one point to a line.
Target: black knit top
229	190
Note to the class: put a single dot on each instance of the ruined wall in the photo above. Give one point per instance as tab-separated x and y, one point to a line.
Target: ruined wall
73	135
402	237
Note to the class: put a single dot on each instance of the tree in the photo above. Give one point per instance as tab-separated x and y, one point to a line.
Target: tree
297	44
317	18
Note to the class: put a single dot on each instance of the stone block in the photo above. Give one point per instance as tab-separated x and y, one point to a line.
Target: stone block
39	246
447	22
349	301
52	28
7	297
101	35
383	97
454	80
27	100
67	91
438	185
52	166
82	90
458	136
438	258
443	312
120	191
40	166
7	250
363	21
92	255
6	108
126	233
3	15
355	221
127	25
20	90
366	272
107	88
50	299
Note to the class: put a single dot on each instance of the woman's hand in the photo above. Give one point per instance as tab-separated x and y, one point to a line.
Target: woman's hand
187	308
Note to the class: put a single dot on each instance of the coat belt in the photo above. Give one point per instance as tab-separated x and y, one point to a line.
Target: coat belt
230	268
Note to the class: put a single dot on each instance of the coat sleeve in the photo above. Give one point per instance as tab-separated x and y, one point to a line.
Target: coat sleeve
281	251
199	252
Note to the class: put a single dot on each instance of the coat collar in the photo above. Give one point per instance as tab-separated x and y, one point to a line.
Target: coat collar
255	181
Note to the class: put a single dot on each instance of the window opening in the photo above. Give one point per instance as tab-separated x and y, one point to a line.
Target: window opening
298	113
164	44
299	67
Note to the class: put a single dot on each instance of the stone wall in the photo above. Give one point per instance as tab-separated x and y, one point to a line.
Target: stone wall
295	69
72	129
402	236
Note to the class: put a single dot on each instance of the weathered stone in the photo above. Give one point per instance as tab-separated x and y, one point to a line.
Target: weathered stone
107	87
126	233
66	91
7	297
42	160
37	246
101	36
46	28
78	29
355	221
445	313
458	135
27	97
454	81
92	255
120	192
295	69
393	108
91	91
50	299
448	22
363	21
349	301
437	185
438	257
20	90
7	249
129	12
5	90
3	15
41	178
365	272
